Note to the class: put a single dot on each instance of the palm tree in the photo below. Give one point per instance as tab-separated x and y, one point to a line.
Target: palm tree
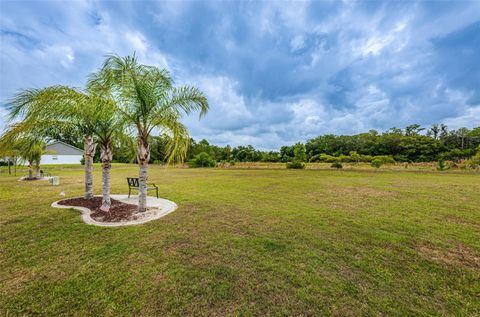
10	151
109	126
148	102
28	147
64	107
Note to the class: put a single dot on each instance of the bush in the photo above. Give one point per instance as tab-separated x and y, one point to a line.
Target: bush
323	158
202	160
296	164
386	159
345	159
441	166
474	162
376	163
336	164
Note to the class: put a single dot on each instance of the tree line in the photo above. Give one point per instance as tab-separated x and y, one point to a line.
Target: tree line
411	144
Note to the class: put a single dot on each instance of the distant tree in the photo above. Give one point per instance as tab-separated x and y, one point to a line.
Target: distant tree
434	131
299	152
395	130
413	129
202	160
443	131
462	134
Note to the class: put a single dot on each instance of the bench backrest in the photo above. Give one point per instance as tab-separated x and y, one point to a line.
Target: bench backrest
133	182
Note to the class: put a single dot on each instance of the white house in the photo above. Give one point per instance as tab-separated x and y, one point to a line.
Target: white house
62	153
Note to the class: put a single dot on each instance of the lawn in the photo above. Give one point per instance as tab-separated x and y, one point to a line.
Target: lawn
249	242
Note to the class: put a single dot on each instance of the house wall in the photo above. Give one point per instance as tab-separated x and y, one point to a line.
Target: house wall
61	159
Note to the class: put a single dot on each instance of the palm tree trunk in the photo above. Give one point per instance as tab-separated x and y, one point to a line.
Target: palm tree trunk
89	153
37	171
30	170
106	157
143	157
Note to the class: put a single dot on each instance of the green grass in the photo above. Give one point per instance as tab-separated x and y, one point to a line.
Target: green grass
249	242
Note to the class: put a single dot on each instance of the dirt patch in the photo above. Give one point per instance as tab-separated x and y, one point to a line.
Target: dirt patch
119	211
30	179
460	255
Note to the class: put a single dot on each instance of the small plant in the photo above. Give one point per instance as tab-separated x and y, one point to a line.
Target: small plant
336	164
296	164
474	162
376	163
202	160
441	166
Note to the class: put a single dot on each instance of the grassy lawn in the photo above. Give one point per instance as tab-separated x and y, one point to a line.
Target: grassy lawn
249	242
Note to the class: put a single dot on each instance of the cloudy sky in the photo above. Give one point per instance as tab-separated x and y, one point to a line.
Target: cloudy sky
274	72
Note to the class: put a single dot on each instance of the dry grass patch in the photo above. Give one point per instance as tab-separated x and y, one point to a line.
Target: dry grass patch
350	197
460	255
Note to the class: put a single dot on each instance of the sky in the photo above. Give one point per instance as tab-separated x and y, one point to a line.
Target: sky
274	73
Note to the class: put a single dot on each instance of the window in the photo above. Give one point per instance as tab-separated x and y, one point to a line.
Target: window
54	157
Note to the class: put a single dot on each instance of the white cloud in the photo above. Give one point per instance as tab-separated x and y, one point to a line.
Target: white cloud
137	41
228	109
358	69
297	43
470	117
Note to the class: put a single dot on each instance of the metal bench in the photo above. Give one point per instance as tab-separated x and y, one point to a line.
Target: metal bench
133	183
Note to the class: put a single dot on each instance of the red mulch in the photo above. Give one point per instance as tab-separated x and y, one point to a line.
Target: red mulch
118	211
31	179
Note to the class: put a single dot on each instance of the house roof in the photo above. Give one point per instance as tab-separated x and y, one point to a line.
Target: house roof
62	148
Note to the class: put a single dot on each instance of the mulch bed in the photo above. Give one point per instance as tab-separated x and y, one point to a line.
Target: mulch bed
118	211
31	179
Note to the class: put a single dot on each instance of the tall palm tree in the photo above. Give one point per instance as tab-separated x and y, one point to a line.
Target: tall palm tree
109	126
148	102
60	106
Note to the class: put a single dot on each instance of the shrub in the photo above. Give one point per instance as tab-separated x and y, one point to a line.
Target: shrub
345	159
367	158
386	159
315	158
336	164
201	160
296	164
441	166
474	162
376	163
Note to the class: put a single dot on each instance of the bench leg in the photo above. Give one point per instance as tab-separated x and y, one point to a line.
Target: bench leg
157	191
129	190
